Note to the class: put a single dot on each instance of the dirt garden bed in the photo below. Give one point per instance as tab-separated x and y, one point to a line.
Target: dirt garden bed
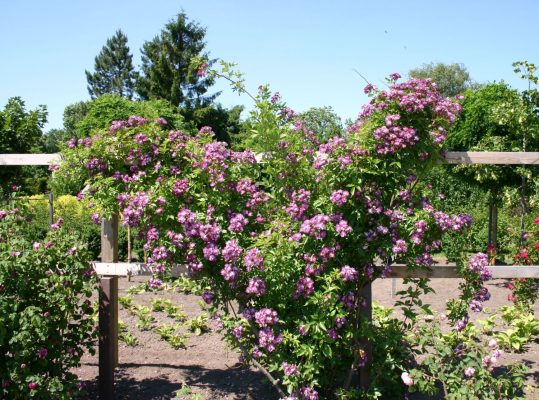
207	370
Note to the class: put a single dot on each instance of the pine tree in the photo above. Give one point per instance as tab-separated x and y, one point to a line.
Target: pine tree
114	72
166	65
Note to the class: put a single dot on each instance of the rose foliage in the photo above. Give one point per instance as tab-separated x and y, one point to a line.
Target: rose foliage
285	241
524	292
45	311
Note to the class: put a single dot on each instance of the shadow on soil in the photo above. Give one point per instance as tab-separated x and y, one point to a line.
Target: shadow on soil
233	383
239	383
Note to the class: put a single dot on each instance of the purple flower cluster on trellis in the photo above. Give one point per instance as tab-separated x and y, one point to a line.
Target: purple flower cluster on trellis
291	240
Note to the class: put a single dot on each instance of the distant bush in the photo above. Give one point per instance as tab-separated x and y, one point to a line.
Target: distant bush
77	218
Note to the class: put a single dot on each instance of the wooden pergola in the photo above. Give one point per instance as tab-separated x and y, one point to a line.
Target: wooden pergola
109	269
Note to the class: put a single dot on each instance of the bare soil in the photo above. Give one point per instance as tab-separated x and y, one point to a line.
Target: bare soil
207	370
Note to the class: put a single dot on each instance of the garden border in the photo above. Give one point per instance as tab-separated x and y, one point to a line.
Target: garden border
109	269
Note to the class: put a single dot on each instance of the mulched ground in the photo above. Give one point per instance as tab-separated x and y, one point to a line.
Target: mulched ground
207	370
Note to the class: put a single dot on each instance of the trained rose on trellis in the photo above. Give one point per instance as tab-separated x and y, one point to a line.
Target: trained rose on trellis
285	244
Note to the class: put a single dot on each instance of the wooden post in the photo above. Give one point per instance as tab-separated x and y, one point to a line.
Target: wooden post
51	209
109	239
108	296
365	310
493	228
128	244
359	374
108	311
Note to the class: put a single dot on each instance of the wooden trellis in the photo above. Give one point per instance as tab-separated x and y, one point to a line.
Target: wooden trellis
109	269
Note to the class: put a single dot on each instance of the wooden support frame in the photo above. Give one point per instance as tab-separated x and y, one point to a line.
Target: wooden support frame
110	269
51	208
108	338
451	157
450	271
492	157
365	311
29	159
398	270
108	311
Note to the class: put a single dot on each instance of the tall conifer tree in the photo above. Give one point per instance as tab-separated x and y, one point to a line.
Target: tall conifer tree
114	72
166	70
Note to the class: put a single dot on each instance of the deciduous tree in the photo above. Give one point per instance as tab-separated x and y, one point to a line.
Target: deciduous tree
21	131
452	79
323	121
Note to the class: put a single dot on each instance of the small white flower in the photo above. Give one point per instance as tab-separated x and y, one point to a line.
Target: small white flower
407	379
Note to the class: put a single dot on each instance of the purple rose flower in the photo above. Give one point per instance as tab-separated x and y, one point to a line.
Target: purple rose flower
207	297
339	197
253	259
349	274
289	369
232	251
256	286
237	223
266	316
42	352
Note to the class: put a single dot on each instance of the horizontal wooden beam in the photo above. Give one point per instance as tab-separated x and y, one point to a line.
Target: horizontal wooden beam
29	159
437	271
398	270
452	157
450	271
492	157
125	269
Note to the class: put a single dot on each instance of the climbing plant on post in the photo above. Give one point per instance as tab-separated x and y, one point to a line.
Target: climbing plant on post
286	246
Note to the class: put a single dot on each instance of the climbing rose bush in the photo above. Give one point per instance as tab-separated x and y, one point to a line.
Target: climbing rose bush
45	311
286	241
524	292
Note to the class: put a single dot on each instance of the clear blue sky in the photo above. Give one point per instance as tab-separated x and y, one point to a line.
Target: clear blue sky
307	50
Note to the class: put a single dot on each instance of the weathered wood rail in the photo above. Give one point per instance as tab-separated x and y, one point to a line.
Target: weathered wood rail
29	159
438	271
109	268
452	157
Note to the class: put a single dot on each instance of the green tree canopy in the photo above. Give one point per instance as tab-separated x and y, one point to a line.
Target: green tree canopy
224	122
52	138
323	122
452	79
114	72
20	132
84	117
494	112
167	72
73	114
494	117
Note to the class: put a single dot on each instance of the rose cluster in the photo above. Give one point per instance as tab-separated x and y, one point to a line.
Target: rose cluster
284	245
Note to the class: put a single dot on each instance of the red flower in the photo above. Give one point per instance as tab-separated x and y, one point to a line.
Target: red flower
536	220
